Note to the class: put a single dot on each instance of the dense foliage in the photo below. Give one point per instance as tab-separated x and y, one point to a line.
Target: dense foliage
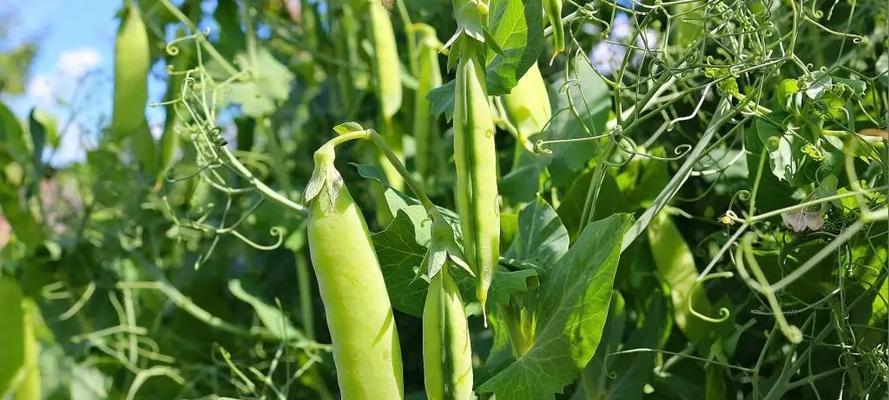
609	199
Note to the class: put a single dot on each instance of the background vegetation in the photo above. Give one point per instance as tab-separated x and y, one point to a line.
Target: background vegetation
742	142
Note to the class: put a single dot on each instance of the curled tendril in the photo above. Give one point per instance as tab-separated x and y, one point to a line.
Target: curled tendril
275	231
724	313
742	195
172	47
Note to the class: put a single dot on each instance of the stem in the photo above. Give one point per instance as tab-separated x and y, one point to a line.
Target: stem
207	45
377	140
261	187
305	294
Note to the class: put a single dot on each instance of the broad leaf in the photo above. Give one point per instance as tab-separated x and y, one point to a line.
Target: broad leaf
517	28
541	237
271	317
400	257
571	312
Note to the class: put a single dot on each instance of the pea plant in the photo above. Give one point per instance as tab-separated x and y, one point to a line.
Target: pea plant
467	199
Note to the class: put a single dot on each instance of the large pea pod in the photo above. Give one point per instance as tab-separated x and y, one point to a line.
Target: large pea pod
366	350
476	161
553	9
447	352
19	373
29	387
429	77
527	105
387	69
132	61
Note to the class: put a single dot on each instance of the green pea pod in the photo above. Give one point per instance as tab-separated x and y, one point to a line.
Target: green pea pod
387	69
447	353
29	387
553	9
527	106
366	350
19	373
132	61
476	160
429	77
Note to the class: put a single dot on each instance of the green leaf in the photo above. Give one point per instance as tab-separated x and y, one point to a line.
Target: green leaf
400	257
571	311
89	383
270	84
594	379
541	238
631	372
38	139
12	332
506	283
441	100
271	317
12	137
517	28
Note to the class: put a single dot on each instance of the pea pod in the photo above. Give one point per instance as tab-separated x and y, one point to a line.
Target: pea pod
447	354
19	373
476	160
429	77
29	387
386	65
132	61
527	107
366	350
553	9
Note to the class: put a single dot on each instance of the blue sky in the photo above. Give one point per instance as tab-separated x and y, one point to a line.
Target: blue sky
74	64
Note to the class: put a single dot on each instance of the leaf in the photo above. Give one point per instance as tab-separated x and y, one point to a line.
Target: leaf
441	100
38	139
571	312
89	383
12	137
594	379
506	283
12	332
517	28
271	317
271	83
400	257
541	238
522	183
631	372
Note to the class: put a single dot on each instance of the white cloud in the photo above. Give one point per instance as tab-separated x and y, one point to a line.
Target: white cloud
40	91
77	62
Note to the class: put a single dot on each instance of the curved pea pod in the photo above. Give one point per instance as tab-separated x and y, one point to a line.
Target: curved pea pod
132	61
387	69
553	9
429	77
476	160
366	349
447	353
527	106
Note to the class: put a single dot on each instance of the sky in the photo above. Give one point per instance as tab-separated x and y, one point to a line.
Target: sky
74	65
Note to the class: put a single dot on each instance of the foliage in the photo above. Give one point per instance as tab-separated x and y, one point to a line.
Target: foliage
704	215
